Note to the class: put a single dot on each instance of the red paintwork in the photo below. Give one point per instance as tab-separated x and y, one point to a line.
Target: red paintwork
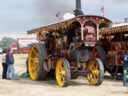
23	50
117	49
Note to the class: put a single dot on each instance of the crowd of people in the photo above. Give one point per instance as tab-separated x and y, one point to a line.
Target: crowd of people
8	65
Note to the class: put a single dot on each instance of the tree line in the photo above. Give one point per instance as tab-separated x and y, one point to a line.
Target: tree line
6	42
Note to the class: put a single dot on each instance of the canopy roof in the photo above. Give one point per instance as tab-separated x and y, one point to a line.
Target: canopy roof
112	30
63	24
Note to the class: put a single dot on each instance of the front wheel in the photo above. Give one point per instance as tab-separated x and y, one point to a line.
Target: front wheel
96	71
62	73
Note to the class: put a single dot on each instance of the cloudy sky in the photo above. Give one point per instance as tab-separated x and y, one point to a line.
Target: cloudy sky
22	15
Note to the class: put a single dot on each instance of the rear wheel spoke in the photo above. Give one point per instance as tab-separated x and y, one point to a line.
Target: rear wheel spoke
34	63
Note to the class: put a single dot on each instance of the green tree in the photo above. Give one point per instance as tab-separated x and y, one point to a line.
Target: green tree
6	42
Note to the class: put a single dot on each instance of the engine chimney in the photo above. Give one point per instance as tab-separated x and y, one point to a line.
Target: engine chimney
78	10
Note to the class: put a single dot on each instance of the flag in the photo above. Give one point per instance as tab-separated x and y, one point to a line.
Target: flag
58	16
102	10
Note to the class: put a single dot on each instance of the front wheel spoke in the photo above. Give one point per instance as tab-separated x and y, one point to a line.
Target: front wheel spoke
93	67
89	77
96	72
96	67
92	78
62	74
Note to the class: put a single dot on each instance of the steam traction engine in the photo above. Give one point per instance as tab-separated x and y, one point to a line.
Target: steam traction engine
68	50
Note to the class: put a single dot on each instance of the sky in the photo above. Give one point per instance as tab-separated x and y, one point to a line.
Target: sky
19	16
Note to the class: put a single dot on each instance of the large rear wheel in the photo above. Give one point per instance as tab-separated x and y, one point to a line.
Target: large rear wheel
63	73
36	62
96	72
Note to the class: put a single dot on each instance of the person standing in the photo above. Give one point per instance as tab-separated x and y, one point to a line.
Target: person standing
10	62
27	72
4	65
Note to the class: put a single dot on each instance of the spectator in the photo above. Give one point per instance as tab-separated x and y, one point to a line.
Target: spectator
10	62
27	66
4	65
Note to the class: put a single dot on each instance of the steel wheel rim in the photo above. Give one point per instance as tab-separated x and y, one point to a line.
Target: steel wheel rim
93	76
33	63
60	73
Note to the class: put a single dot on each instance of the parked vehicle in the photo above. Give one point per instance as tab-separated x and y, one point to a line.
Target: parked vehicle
114	41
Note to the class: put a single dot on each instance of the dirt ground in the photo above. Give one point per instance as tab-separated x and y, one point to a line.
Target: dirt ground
78	87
